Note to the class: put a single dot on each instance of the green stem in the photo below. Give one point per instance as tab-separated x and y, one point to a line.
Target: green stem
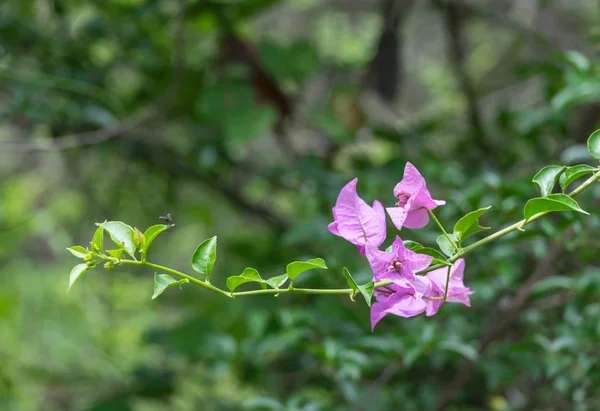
443	230
168	270
447	283
516	226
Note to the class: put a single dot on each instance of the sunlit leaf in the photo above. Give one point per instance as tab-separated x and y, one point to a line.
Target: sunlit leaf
121	234
164	281
116	253
296	268
76	272
445	245
205	256
367	291
546	178
249	275
78	251
98	239
573	173
553	202
152	232
277	281
469	224
467	351
593	144
351	283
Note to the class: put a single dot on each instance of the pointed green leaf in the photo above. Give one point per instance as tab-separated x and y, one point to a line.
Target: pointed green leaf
445	245
463	349
78	251
76	272
553	202
546	178
573	173
205	256
411	245
469	224
248	276
296	268
351	283
152	232
164	281
121	234
367	291
98	239
277	281
593	144
115	253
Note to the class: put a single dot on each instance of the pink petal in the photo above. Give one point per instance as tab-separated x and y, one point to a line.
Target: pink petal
417	262
355	220
406	305
416	219
398	215
433	307
333	229
422	286
423	200
378	260
378	311
411	183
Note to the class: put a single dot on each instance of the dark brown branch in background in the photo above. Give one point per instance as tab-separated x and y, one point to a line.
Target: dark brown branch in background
451	11
502	323
151	113
385	72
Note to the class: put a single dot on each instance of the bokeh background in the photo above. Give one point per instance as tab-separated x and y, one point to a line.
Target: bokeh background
244	118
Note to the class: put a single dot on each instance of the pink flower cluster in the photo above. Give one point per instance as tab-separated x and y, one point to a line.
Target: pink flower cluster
364	226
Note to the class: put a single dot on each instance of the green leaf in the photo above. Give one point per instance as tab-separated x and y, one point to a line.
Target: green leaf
573	173
296	268
205	256
78	251
412	245
593	144
98	239
115	253
576	94
367	291
465	350
164	281
351	283
248	276
277	281
469	224
76	272
445	245
553	202
152	232
554	284
121	234
546	178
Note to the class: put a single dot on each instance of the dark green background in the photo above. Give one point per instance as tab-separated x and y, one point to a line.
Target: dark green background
244	118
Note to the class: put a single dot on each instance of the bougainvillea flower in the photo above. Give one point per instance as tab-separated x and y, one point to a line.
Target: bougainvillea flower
356	221
403	297
413	200
400	260
457	292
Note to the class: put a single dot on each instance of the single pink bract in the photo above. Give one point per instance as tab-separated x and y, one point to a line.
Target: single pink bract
413	200
457	292
356	221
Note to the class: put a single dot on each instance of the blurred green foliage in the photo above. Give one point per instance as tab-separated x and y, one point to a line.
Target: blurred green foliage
266	121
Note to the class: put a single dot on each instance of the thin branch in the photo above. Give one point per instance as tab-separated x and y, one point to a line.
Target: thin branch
156	108
456	56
